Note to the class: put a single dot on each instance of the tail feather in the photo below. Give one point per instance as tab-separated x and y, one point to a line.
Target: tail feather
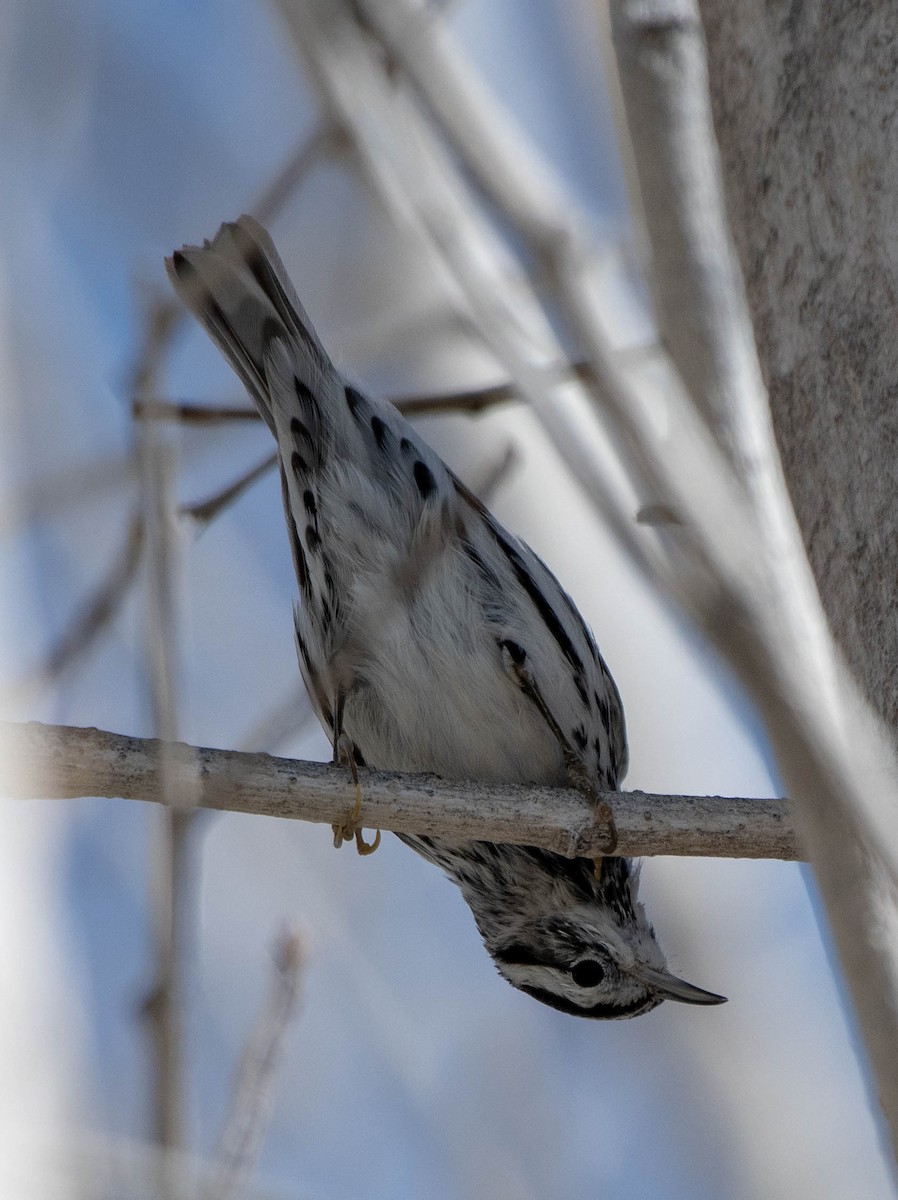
238	288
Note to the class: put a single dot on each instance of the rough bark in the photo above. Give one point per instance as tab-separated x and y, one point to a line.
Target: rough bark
805	102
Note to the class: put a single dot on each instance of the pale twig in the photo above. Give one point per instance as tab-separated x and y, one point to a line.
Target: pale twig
477	400
251	1098
295	172
737	559
422	189
207	510
163	1006
189	412
170	901
724	548
426	405
61	762
835	756
488	483
102	1165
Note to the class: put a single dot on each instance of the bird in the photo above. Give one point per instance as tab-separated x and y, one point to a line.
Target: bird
431	639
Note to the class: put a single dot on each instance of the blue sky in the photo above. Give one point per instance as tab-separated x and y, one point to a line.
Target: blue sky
128	129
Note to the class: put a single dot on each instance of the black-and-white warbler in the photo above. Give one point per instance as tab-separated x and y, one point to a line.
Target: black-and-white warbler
432	640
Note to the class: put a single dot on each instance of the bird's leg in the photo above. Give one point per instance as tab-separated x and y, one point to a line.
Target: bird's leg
575	769
344	750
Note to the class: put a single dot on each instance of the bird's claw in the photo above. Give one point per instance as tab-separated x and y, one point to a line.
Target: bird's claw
346	830
578	778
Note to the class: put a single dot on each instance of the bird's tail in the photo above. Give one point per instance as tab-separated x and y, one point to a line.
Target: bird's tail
236	285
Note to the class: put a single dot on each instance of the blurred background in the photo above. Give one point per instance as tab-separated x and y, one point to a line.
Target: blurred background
409	1067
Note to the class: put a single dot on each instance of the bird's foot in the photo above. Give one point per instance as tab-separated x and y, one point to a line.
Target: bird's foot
578	777
346	830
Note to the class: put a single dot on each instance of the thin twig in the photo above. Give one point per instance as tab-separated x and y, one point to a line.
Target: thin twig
189	412
295	172
207	510
835	756
186	412
735	558
171	880
428	404
425	193
251	1099
488	483
62	762
163	1005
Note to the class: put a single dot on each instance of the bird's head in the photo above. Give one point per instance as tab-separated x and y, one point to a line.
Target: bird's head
589	949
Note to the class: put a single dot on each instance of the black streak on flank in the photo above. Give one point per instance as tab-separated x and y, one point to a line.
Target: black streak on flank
308	499
405	445
313	680
355	401
379	429
528	583
487	574
304	395
579	735
299	557
313	541
542	605
300	430
424	480
303	651
517	653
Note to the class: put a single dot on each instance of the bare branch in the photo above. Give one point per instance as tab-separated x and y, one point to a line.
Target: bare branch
163	1005
428	404
251	1100
476	401
427	195
62	762
835	756
189	412
295	171
207	510
186	412
731	555
169	889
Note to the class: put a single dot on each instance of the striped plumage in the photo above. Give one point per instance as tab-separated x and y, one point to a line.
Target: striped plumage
435	639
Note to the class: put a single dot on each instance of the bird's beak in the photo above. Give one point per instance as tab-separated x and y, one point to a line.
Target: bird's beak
671	988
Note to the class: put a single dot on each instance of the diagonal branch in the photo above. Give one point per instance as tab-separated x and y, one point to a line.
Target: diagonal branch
62	762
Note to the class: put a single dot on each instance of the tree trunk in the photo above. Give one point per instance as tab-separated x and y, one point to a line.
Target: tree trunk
805	104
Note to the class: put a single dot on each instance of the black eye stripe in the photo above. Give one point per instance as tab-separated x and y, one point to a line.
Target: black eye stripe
521	955
599	1012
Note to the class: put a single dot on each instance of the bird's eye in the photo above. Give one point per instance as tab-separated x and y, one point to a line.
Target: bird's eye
588	973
